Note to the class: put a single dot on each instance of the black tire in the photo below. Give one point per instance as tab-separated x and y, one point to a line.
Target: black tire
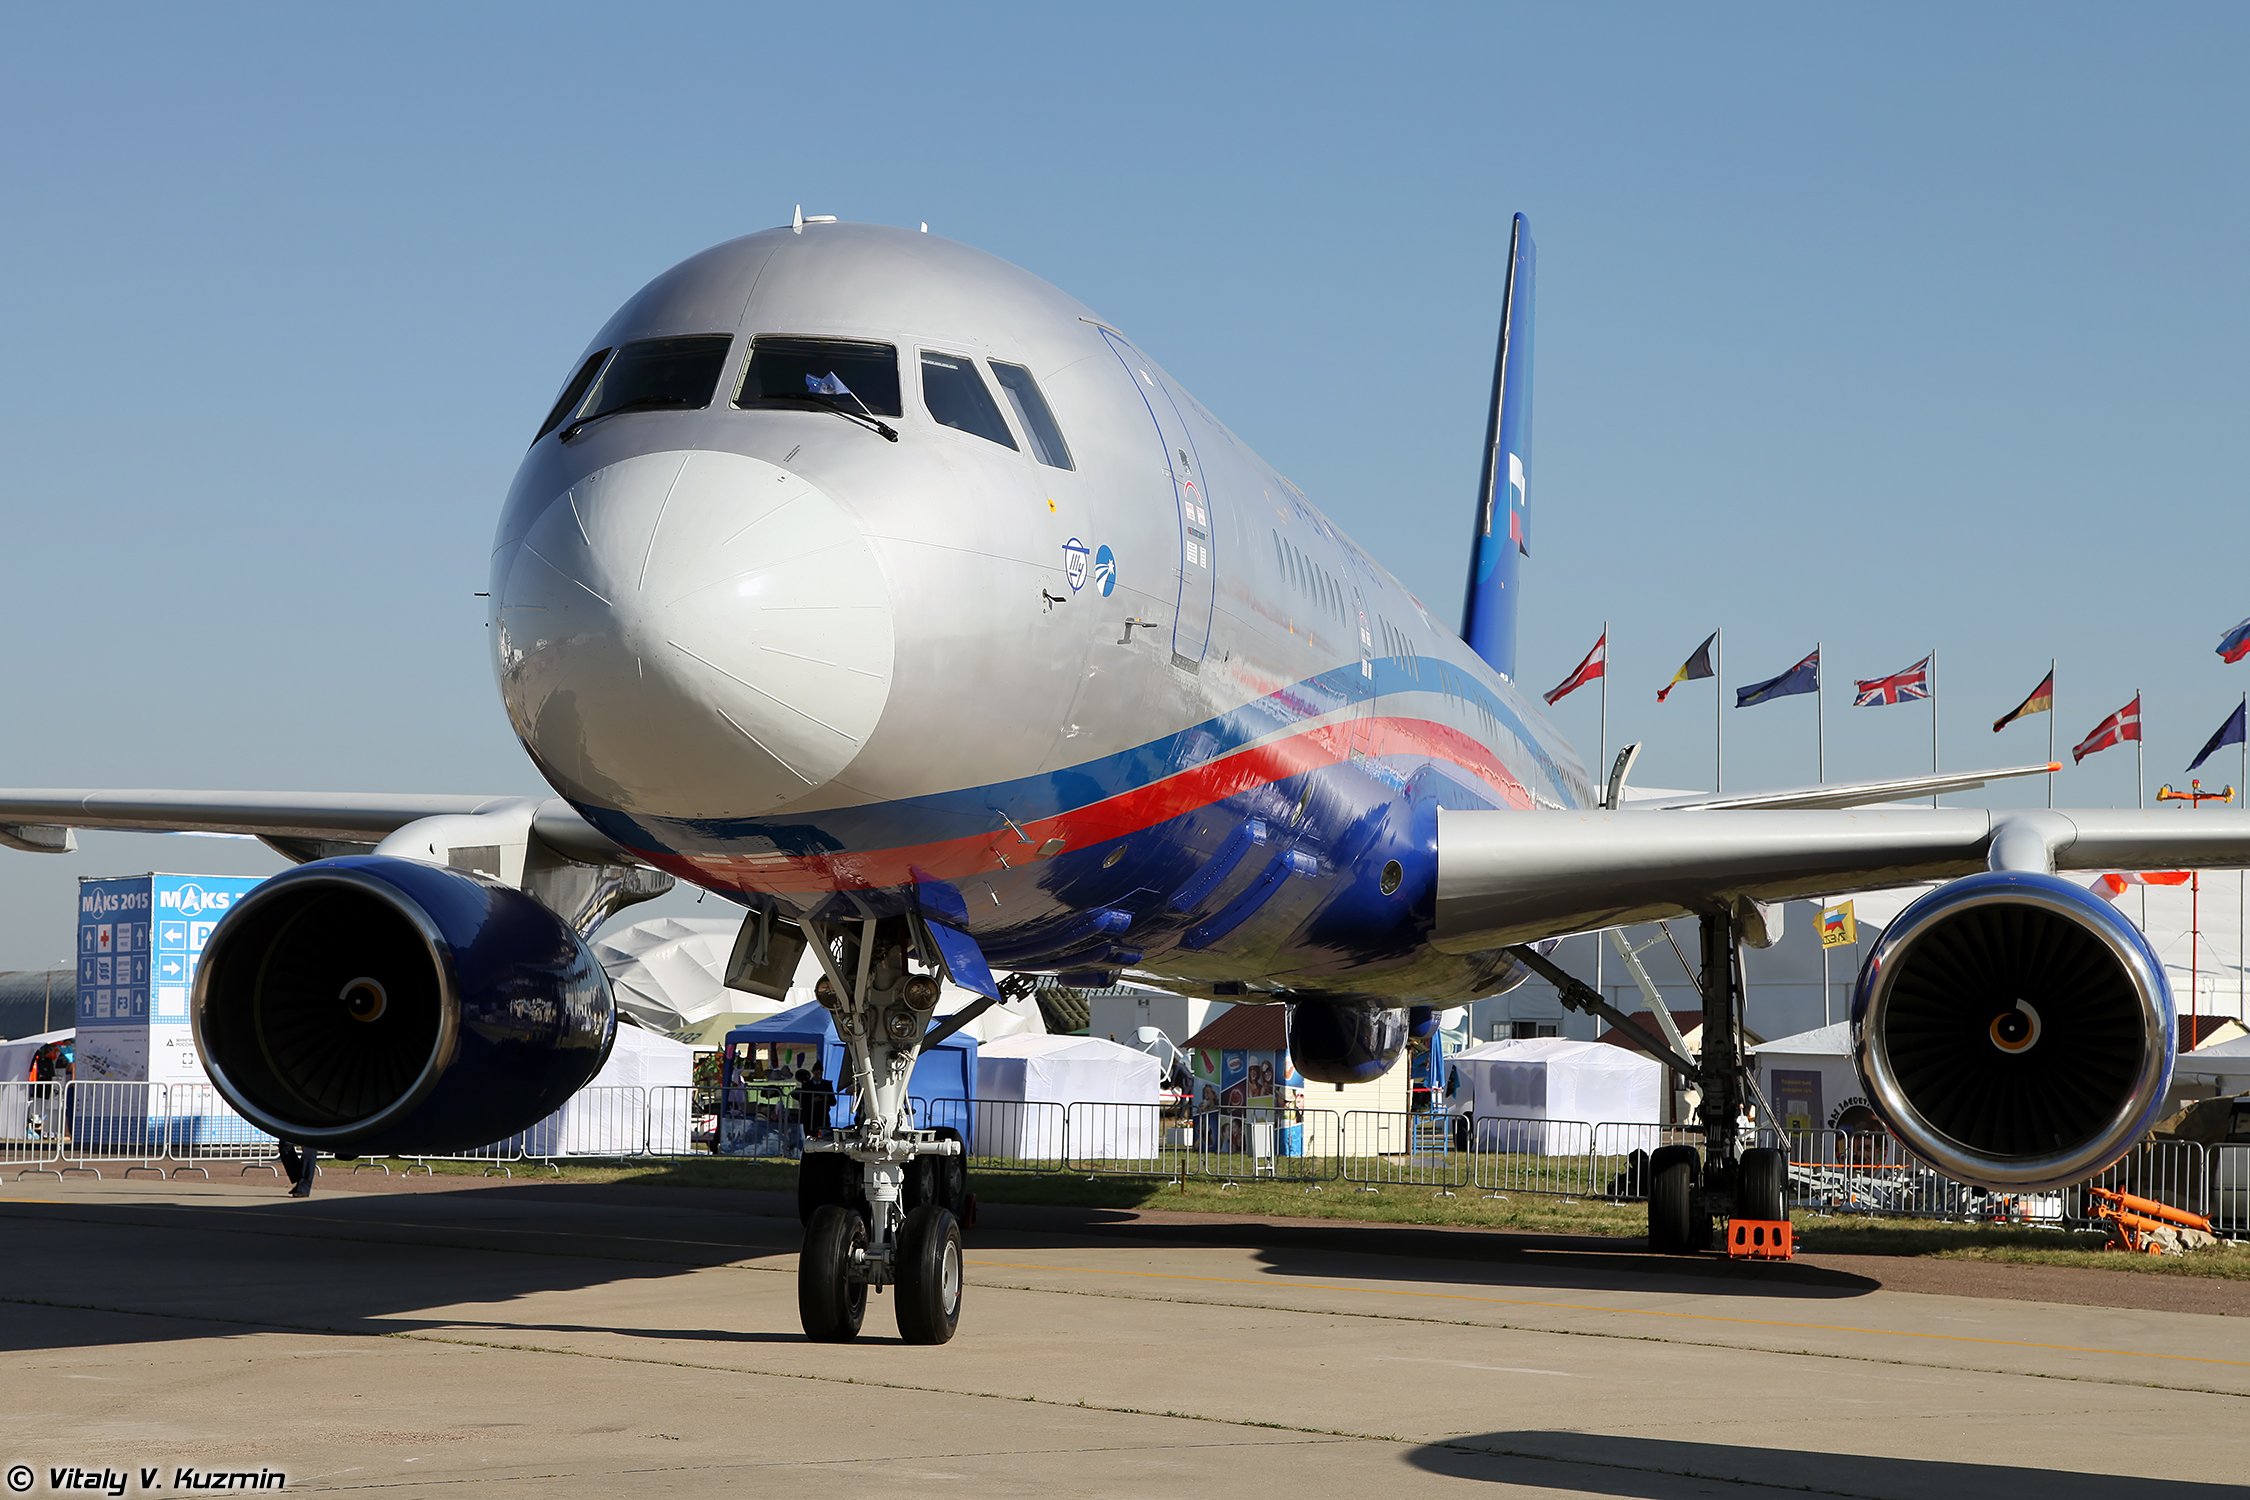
824	1177
950	1177
830	1303
1761	1185
928	1259
1673	1217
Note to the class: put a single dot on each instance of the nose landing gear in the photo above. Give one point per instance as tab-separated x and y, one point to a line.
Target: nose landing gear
882	1202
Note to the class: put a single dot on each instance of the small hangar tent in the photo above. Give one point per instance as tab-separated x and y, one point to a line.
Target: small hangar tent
1026	1083
944	1076
1515	1088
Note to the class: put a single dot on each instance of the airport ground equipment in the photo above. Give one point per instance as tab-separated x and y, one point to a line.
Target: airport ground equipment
1760	1239
2144	1226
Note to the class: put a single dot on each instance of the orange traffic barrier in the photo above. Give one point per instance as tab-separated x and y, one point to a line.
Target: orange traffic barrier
1760	1239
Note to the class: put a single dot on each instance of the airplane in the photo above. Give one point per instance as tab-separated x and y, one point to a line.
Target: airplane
875	584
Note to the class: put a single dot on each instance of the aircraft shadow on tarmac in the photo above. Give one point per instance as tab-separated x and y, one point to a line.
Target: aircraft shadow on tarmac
380	1262
355	1264
1331	1251
1589	1463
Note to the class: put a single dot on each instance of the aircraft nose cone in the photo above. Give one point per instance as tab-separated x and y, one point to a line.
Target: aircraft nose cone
692	635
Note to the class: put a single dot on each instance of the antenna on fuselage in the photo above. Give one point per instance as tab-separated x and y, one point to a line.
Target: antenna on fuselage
797	224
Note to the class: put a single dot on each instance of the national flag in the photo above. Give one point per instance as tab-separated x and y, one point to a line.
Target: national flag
1595	665
2110	887
2235	644
826	385
1695	667
2230	733
2042	700
1801	678
2119	727
1900	687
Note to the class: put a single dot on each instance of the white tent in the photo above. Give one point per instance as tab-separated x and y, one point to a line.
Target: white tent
668	971
645	1085
2224	1064
1026	1082
1537	1080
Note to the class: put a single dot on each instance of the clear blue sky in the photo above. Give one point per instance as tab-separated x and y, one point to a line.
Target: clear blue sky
1891	328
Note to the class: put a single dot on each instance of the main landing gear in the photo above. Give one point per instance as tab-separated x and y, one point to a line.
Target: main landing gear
882	1203
1687	1188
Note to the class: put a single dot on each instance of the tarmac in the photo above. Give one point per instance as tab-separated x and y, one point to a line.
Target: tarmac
562	1340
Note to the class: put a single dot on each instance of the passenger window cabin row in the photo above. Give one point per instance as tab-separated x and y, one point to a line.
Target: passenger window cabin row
857	377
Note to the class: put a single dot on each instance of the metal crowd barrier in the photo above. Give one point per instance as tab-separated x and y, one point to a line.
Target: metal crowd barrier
2227	1193
1380	1148
670	1127
1125	1140
202	1128
607	1120
1279	1144
114	1123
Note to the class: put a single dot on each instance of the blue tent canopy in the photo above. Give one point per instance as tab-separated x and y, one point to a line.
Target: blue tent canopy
945	1076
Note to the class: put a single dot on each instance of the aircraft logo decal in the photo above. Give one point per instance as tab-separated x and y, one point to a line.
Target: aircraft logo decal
1105	570
1074	564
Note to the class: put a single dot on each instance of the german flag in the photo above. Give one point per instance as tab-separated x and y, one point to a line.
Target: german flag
1698	665
2042	700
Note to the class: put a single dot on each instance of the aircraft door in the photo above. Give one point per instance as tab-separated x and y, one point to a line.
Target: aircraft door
1191	506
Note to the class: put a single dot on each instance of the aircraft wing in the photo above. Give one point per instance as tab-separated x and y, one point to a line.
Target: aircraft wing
302	825
1516	877
1840	793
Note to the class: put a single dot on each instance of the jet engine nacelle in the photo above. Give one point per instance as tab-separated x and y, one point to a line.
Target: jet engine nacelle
1339	1042
2014	1031
372	1005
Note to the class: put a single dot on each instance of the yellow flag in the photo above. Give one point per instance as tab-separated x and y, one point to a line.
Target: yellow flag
1837	929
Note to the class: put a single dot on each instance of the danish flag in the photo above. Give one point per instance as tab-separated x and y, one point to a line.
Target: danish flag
2119	727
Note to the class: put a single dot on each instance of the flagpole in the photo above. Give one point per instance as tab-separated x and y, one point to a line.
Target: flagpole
2242	877
1601	749
1820	717
1718	719
2051	712
2140	785
1601	769
1933	719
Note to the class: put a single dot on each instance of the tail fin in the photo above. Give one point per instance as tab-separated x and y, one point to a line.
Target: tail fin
1501	539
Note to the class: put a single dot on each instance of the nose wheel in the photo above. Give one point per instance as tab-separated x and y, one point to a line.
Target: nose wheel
832	1275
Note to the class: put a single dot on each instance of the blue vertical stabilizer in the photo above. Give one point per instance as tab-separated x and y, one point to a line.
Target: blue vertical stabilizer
1501	538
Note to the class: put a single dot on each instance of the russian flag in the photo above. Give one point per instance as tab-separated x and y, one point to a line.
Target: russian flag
2235	644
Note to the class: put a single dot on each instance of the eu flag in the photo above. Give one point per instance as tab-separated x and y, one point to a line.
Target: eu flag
1801	678
2230	733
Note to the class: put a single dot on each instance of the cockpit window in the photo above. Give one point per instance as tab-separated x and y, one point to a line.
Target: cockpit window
843	372
1038	422
573	393
955	394
655	375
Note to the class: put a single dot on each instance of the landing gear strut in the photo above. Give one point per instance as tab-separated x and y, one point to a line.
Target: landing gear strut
882	1201
1688	1189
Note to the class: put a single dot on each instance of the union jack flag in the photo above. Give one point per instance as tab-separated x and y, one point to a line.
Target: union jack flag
1899	687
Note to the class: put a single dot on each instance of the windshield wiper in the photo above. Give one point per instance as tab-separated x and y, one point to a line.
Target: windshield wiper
869	419
638	403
